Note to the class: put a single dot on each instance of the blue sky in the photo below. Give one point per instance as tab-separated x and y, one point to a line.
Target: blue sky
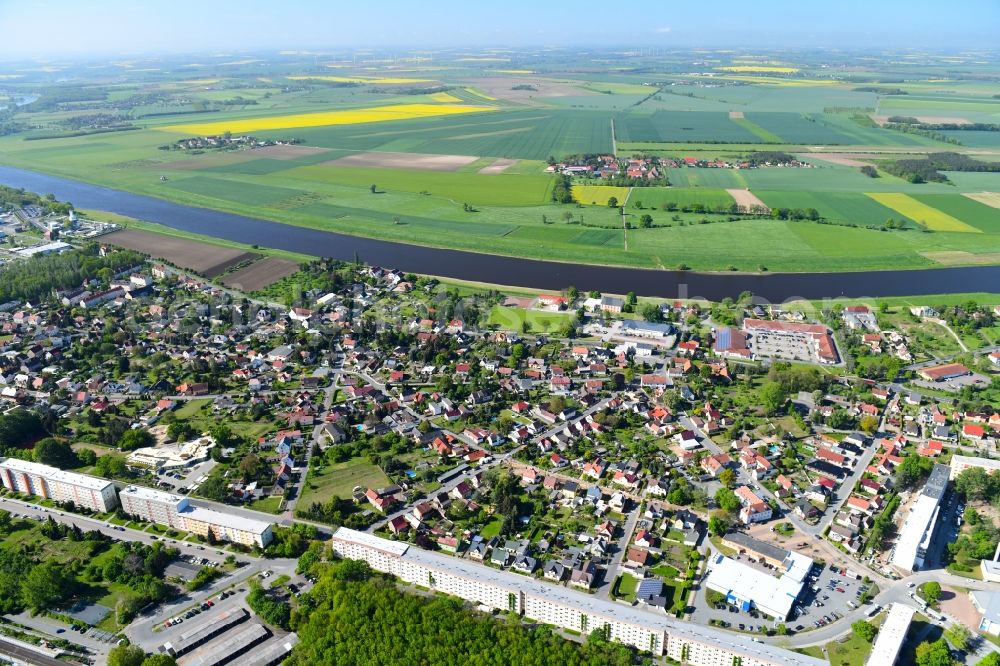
58	27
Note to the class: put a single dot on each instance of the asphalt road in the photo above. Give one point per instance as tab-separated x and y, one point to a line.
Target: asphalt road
141	631
87	523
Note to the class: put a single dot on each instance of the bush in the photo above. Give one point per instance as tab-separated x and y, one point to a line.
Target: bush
204	576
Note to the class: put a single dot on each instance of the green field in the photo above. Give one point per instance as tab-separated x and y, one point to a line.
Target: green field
970	212
535	134
682	126
658	197
512	319
340	479
713	178
498	190
661	104
798	128
843	207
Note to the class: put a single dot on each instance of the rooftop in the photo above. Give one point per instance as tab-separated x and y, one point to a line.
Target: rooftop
227	520
153	495
987	603
891	635
921	519
770	594
55	474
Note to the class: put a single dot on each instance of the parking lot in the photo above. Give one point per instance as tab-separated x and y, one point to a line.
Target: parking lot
827	599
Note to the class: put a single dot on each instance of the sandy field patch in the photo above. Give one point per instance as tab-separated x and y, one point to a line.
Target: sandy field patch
499	166
209	260
746	198
844	159
287	152
419	161
991	199
736	115
960	258
260	274
501	87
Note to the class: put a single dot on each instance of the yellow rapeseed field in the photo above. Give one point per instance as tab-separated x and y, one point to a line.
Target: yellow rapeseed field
598	195
759	68
359	79
776	81
918	211
346	117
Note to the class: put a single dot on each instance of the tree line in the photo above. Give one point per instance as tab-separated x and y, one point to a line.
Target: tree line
353	616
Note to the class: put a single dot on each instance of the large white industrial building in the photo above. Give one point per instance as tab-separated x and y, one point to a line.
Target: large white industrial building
918	530
560	606
747	587
174	511
58	485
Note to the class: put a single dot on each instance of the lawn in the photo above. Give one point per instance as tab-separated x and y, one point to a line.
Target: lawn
198	413
665	571
267	505
627	585
190	409
513	319
340	479
852	650
491	529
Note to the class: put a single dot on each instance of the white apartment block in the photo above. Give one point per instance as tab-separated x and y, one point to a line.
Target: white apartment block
560	606
174	511
52	483
961	463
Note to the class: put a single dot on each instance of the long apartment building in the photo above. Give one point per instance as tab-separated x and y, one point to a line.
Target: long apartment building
176	512
961	463
560	606
58	485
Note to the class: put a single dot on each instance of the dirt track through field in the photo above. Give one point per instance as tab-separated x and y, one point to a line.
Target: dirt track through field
209	260
419	161
746	198
842	160
260	274
288	152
